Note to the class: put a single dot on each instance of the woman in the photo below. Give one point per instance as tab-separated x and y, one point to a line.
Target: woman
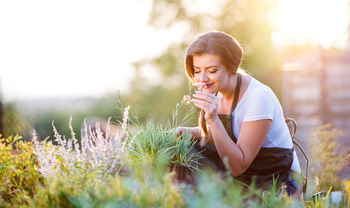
239	115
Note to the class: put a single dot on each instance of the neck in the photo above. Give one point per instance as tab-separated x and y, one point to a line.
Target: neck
228	92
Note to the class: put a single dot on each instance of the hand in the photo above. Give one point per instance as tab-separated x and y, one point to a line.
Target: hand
207	102
195	131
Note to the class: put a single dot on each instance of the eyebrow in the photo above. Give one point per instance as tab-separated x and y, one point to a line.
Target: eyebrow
206	67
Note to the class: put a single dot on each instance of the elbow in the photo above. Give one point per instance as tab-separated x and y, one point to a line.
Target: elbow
237	169
237	165
237	173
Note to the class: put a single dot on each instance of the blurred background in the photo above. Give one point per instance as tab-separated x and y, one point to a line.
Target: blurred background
63	58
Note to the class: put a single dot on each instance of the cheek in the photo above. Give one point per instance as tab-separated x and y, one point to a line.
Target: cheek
196	77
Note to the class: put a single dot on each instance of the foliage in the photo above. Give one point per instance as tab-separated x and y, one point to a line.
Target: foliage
97	173
103	154
328	158
162	98
144	187
18	178
117	191
213	190
39	115
158	145
152	145
250	22
14	123
155	146
184	154
109	192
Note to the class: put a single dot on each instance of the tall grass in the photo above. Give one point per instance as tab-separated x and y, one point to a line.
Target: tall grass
328	158
128	169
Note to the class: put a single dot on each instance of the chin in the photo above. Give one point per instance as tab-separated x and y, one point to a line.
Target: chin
212	91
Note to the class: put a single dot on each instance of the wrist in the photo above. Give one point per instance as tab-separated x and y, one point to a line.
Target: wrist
214	120
178	131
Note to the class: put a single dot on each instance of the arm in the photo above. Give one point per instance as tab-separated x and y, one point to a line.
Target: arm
195	131
250	139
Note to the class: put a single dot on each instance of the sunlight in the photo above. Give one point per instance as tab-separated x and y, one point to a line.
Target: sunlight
47	47
71	49
321	22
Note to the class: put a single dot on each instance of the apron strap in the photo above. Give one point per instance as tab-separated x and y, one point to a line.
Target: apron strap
238	88
235	98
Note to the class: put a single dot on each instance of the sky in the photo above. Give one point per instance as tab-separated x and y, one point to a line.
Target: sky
80	48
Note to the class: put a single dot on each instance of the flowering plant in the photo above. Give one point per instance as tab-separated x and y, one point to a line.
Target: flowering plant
187	99
17	174
201	85
103	153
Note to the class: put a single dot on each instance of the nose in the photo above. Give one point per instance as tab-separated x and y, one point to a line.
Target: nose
203	77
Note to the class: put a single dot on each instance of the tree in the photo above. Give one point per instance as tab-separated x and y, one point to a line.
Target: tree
249	21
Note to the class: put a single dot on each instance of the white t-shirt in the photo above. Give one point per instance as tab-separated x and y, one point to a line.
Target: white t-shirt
259	102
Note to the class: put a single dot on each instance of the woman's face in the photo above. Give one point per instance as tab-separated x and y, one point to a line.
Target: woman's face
209	69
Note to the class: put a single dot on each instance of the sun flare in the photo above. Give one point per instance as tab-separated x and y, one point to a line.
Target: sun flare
321	22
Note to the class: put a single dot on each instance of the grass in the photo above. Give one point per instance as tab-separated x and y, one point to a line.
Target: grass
145	187
128	169
154	145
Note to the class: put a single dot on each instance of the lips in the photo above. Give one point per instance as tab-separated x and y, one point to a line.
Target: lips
209	85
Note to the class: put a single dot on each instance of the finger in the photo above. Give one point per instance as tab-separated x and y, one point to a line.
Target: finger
208	97
204	93
204	103
203	107
209	104
209	112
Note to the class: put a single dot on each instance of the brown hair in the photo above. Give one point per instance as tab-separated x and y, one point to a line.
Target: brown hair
222	45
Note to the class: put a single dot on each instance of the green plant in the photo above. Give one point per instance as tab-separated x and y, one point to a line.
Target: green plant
213	190
152	145
160	146
319	200
66	173
18	177
14	122
103	154
184	153
141	190
328	158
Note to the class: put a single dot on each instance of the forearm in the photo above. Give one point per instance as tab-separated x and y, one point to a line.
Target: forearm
196	133
228	149
249	142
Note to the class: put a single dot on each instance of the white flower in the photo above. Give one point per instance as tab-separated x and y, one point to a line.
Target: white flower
99	151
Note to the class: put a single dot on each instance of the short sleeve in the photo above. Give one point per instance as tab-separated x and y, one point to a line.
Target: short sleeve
260	106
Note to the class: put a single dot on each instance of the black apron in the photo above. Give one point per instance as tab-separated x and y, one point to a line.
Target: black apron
269	164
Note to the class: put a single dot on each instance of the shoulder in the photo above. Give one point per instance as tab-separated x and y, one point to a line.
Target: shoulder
258	86
257	90
258	102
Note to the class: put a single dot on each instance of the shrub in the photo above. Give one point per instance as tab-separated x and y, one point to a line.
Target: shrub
66	173
18	178
156	146
328	158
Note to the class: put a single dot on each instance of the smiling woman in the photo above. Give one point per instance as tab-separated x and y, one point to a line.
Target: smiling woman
241	119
